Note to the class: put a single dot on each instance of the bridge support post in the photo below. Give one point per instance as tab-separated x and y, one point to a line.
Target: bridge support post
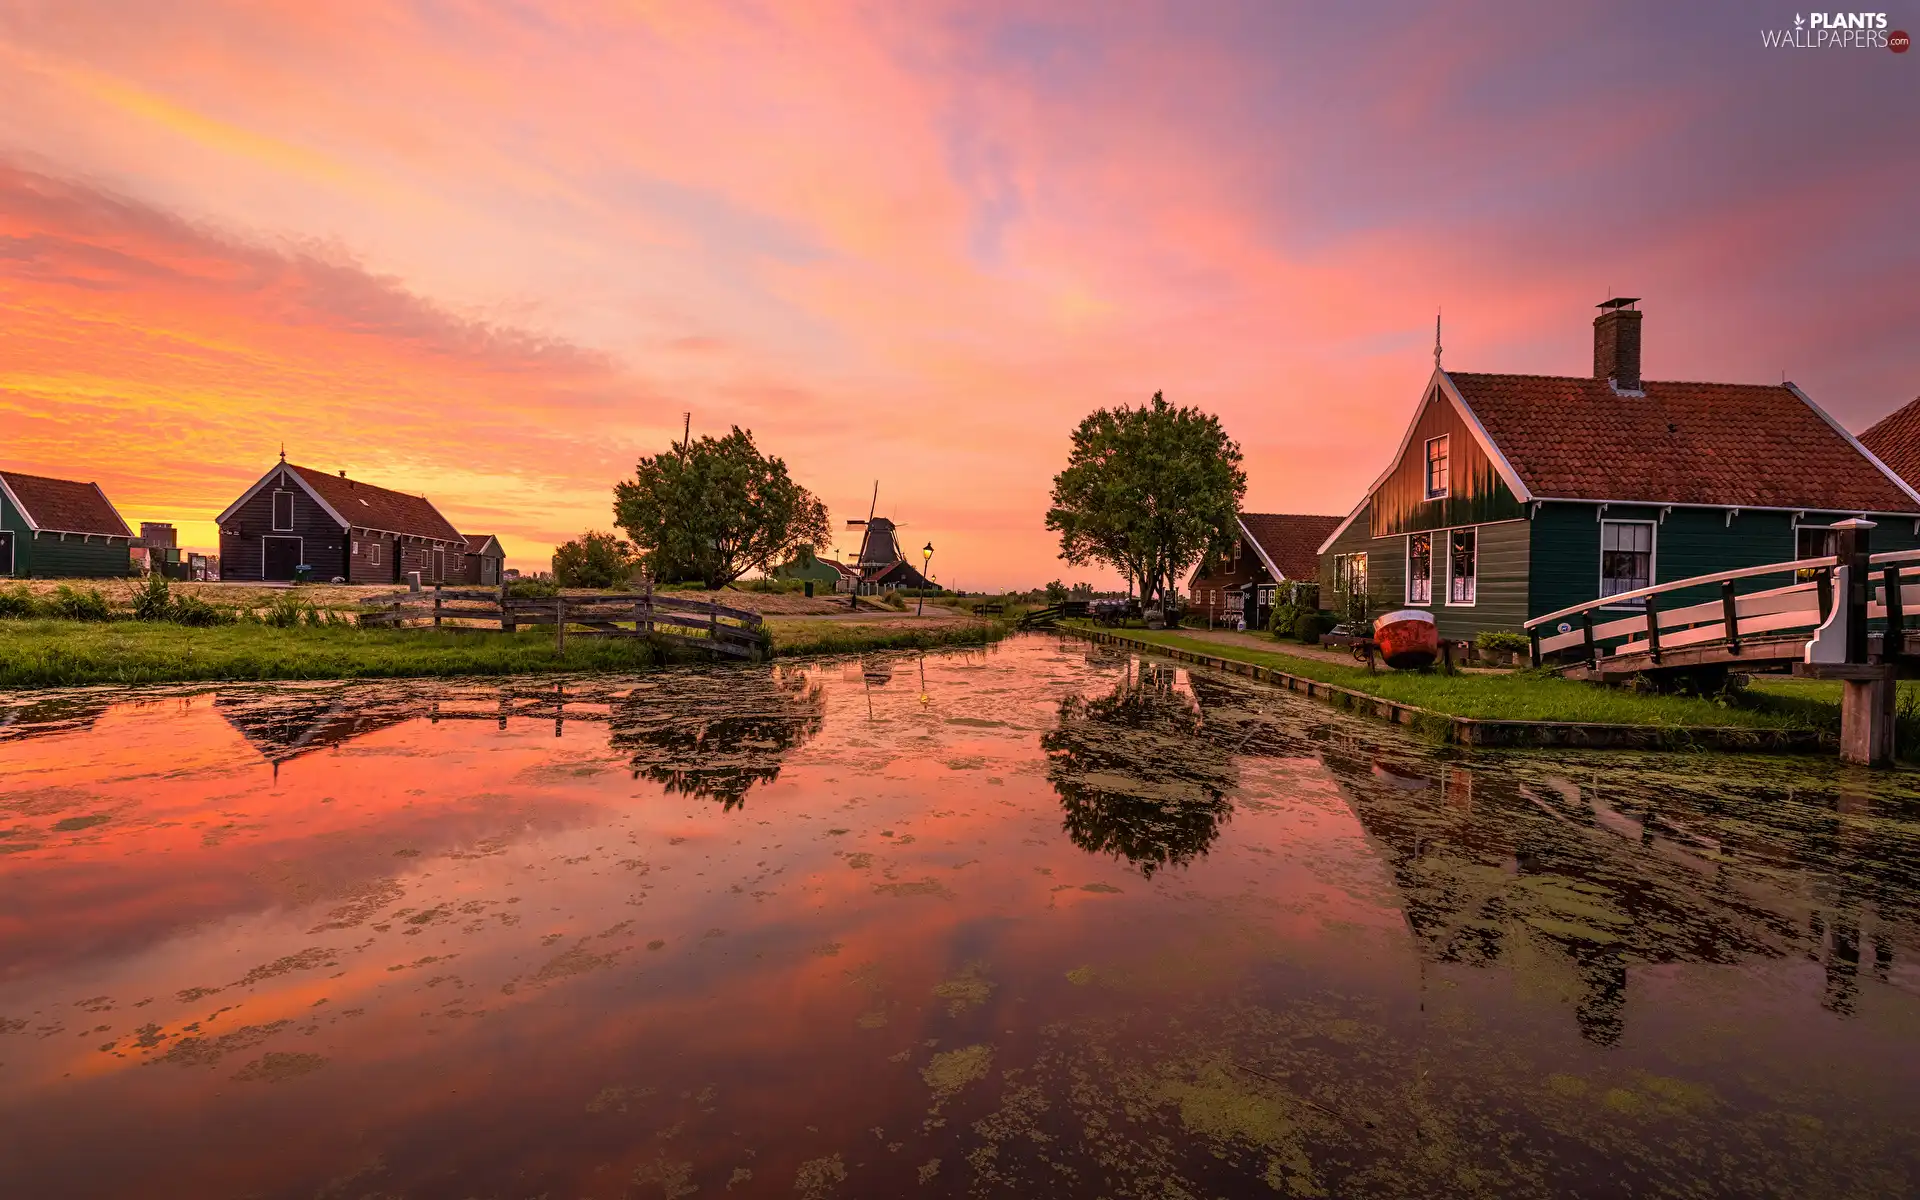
1867	719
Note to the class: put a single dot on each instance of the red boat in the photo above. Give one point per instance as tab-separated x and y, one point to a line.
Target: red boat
1408	639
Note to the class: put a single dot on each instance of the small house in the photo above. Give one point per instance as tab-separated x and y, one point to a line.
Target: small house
826	574
336	527
484	561
1271	549
1512	496
60	529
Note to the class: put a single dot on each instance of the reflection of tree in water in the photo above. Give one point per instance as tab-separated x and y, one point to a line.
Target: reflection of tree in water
715	734
1136	775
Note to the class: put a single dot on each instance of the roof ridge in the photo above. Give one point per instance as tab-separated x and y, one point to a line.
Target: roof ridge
1453	374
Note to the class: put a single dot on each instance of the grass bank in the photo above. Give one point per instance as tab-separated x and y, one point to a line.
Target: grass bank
55	653
1521	695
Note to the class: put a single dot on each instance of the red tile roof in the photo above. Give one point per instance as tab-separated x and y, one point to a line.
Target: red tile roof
365	506
1895	441
476	542
64	506
1720	444
1291	540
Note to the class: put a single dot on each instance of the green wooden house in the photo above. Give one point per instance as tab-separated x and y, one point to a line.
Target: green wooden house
1511	496
828	575
59	529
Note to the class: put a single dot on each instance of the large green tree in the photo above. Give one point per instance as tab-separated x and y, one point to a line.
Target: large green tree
1149	491
716	508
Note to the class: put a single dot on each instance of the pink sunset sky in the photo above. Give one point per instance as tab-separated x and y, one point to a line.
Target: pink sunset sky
491	252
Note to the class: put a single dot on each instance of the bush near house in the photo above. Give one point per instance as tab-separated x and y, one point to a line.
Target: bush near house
1497	643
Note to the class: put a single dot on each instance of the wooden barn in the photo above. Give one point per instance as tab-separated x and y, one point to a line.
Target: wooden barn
1273	548
1512	496
60	529
483	562
338	528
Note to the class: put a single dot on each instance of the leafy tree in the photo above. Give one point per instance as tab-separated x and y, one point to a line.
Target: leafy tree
1056	592
1149	491
716	508
594	560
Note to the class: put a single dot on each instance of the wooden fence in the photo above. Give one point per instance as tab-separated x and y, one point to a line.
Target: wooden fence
695	624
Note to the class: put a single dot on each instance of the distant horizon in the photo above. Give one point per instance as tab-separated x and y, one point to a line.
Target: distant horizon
495	259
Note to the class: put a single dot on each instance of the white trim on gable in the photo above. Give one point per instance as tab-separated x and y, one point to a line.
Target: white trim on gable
1480	436
1854	442
1279	576
21	508
292	474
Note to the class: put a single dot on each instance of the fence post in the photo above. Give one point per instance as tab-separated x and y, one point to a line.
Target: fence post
507	623
1533	636
1850	549
646	598
436	606
559	624
1730	614
1896	639
713	631
1653	630
1586	625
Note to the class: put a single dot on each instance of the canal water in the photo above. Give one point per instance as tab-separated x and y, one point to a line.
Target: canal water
1040	920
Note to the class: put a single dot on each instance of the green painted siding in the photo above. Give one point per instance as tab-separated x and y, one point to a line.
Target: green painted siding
1689	542
47	557
1502	587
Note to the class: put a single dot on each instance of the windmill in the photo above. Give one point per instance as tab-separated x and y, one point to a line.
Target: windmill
879	549
880	562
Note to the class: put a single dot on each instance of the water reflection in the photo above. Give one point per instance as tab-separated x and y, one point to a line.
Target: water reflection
1137	775
475	931
715	734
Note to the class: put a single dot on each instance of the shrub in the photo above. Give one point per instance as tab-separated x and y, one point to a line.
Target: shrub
894	599
285	611
192	610
533	589
71	604
17	602
1306	625
153	602
594	560
1503	641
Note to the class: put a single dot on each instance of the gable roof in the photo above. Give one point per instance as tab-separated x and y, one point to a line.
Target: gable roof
1717	444
1288	543
63	505
1895	440
477	544
357	505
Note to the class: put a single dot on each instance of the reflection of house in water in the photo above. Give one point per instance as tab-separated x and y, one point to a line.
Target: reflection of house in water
283	724
1138	773
44	718
1517	866
715	734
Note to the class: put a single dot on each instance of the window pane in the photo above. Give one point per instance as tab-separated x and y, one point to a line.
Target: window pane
1420	568
1626	558
1462	553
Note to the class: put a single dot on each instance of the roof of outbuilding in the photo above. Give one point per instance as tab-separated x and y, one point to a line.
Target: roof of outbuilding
64	505
365	505
1290	541
477	542
1895	440
1719	444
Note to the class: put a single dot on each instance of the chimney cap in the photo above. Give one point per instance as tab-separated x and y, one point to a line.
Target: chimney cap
1619	302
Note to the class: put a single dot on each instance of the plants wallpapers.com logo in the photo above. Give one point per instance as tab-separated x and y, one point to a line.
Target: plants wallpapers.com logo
1837	31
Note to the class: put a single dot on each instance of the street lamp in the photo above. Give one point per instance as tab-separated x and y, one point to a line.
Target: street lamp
926	560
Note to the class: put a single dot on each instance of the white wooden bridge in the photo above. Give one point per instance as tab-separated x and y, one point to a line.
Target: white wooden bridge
1843	617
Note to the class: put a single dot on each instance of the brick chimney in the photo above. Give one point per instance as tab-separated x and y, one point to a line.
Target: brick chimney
1616	343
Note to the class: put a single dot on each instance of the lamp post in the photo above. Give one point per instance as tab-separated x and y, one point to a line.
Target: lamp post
926	560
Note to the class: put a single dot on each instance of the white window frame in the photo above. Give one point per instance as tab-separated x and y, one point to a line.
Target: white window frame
1653	561
1475	600
373	553
274	516
1426	467
1408	565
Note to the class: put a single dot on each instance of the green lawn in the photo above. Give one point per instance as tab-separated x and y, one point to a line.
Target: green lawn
50	653
1520	696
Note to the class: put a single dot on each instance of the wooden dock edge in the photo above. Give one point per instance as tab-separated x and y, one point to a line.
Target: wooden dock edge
1489	733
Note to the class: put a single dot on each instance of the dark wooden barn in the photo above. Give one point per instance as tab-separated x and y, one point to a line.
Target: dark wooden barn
338	528
483	561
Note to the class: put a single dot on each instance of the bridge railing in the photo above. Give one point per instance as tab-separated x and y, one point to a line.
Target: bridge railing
1889	590
1652	630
